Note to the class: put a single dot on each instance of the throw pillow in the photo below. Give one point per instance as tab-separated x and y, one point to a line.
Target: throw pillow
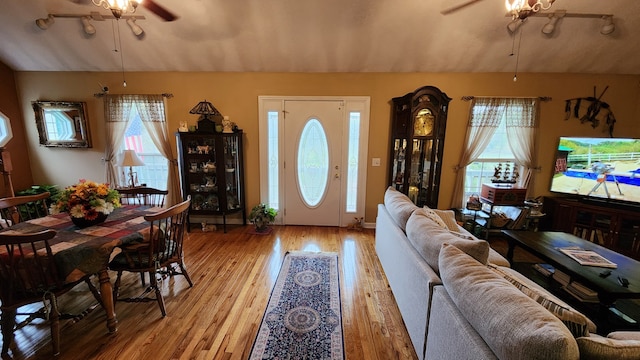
431	214
449	219
513	325
576	322
594	347
399	206
427	238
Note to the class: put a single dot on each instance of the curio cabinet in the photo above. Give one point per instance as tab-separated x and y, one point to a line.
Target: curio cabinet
211	171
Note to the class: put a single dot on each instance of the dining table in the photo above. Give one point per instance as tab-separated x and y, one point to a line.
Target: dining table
81	252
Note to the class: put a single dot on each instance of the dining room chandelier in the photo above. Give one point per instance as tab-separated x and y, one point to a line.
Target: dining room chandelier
118	7
521	9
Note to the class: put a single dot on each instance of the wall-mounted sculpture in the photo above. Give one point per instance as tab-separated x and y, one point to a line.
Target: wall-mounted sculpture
591	109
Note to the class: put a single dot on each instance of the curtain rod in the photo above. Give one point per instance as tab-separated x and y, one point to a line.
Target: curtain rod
541	98
166	95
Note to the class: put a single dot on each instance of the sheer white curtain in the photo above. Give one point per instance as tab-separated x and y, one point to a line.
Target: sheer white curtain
151	110
116	114
522	125
484	118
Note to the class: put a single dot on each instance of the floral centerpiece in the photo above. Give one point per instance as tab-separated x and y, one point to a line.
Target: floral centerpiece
87	202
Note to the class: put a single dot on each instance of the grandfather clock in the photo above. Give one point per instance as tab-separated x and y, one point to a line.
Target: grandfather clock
418	126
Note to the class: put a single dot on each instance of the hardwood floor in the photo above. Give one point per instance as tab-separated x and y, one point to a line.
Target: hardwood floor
218	317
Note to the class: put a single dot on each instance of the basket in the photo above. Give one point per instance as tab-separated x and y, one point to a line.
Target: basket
474	203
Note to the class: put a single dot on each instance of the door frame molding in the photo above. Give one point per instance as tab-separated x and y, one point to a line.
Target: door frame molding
359	104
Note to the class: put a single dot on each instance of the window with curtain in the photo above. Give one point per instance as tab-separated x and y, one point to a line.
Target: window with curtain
500	133
136	137
497	153
138	122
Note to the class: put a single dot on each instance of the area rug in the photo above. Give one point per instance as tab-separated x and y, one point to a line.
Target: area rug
303	319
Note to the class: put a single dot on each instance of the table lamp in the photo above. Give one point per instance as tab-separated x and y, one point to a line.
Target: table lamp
130	158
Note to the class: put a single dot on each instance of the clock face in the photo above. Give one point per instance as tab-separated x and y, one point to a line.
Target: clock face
423	124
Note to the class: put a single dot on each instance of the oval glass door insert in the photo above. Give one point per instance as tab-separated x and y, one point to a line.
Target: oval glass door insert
313	163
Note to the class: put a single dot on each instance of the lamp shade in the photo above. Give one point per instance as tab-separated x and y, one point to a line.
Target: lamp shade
130	158
205	108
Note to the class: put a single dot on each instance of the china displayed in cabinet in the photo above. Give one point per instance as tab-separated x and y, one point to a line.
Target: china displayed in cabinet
211	171
417	141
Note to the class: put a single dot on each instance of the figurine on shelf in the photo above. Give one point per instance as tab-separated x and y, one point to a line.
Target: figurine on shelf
227	125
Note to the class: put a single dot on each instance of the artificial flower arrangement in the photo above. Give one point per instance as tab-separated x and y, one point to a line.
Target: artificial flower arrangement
87	200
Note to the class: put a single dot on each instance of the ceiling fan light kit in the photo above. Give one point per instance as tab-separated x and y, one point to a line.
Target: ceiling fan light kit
118	7
521	9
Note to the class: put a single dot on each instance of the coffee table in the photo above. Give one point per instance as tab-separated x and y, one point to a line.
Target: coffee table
545	245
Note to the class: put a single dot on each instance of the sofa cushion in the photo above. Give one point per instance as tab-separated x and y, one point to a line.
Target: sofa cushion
448	218
399	206
513	325
427	238
576	322
595	347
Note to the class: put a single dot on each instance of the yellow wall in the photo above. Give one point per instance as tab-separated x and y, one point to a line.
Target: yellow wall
236	95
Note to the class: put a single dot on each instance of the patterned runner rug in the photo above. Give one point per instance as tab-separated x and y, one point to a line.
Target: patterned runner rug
303	319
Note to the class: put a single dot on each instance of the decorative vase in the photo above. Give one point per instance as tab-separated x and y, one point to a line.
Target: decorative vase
83	222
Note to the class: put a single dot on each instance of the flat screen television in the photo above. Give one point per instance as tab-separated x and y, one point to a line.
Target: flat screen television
603	169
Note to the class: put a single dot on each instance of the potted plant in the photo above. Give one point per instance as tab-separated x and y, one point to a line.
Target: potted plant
262	216
87	203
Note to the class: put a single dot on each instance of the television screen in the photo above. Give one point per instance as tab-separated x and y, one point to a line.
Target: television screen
599	168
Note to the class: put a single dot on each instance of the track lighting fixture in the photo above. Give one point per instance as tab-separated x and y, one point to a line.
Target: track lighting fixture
87	26
137	30
44	23
550	27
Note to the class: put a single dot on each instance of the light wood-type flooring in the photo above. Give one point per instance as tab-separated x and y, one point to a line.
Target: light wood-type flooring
218	317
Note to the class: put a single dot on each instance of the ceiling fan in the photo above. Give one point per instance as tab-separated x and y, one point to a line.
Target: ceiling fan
118	7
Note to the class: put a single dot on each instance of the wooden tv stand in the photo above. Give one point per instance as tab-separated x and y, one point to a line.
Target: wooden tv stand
606	224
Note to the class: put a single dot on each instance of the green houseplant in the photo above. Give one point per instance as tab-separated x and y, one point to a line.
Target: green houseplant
262	216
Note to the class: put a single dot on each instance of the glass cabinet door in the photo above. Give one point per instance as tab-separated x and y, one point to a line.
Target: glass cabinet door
398	169
232	172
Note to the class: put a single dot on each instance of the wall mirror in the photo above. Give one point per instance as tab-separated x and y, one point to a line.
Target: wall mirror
62	124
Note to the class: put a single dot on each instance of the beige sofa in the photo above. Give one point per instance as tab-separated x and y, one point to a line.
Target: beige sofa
460	300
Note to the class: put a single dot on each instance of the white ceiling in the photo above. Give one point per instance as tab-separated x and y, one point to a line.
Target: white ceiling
323	36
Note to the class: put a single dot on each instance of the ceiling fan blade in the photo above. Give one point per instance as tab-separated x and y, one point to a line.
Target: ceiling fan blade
165	14
458	7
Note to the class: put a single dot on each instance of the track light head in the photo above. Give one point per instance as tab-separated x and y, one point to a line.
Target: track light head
44	23
87	26
608	26
137	30
550	27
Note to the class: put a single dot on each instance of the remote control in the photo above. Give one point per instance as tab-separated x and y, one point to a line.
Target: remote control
623	281
605	273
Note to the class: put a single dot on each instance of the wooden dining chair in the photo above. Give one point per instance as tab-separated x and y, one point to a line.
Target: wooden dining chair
28	274
22	208
161	249
141	195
